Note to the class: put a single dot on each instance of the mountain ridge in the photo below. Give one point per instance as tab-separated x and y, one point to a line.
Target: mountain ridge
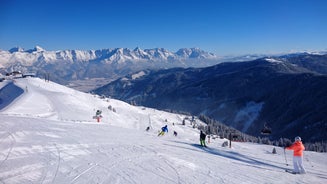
111	54
244	95
72	67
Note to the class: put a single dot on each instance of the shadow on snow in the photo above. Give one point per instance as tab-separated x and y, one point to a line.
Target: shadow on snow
8	94
246	160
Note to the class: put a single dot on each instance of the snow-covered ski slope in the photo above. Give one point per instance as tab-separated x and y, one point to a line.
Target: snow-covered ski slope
47	135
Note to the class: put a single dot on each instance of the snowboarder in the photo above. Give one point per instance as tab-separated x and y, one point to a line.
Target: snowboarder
163	130
297	148
203	139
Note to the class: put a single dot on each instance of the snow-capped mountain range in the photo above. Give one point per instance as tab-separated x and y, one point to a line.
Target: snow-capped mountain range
116	55
77	67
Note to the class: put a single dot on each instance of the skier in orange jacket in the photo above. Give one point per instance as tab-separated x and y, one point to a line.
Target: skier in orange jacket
297	148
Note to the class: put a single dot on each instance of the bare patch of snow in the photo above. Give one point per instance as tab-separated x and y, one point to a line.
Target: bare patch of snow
273	60
138	75
248	114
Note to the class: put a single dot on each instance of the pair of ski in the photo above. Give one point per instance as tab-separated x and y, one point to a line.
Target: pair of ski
200	146
291	171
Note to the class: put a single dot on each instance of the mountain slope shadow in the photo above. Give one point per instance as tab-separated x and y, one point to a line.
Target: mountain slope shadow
236	156
8	94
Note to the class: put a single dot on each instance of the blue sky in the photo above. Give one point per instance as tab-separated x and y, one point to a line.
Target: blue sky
228	27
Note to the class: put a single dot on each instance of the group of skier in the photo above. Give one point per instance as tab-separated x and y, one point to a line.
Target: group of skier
297	148
164	130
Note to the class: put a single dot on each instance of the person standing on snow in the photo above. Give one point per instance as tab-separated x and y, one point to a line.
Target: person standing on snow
203	139
297	148
163	130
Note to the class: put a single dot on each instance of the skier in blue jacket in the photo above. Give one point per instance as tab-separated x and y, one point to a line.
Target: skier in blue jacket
163	130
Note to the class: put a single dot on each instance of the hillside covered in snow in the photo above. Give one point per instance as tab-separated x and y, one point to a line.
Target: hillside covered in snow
48	135
287	93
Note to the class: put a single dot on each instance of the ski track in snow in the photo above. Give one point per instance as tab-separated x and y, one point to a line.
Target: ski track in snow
12	141
47	135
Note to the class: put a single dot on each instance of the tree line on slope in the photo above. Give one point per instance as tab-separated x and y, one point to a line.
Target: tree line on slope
215	127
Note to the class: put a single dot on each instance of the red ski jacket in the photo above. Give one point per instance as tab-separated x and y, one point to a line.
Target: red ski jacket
297	148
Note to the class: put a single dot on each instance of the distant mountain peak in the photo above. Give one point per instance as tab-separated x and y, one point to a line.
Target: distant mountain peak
273	60
195	53
36	49
137	49
20	49
16	49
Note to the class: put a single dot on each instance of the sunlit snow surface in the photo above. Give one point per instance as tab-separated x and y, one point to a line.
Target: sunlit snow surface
48	135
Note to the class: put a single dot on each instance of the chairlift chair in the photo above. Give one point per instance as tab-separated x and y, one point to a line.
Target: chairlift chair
266	130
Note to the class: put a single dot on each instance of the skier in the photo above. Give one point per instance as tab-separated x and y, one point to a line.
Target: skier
175	133
163	130
297	148
202	139
98	115
147	128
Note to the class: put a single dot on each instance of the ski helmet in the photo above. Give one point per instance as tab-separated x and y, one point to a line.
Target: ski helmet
297	138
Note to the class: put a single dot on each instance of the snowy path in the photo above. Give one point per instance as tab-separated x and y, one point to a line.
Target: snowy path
48	136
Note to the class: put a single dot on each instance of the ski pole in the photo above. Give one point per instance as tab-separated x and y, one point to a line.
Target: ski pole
285	157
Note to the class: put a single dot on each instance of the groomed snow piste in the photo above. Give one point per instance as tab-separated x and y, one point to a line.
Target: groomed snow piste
48	135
